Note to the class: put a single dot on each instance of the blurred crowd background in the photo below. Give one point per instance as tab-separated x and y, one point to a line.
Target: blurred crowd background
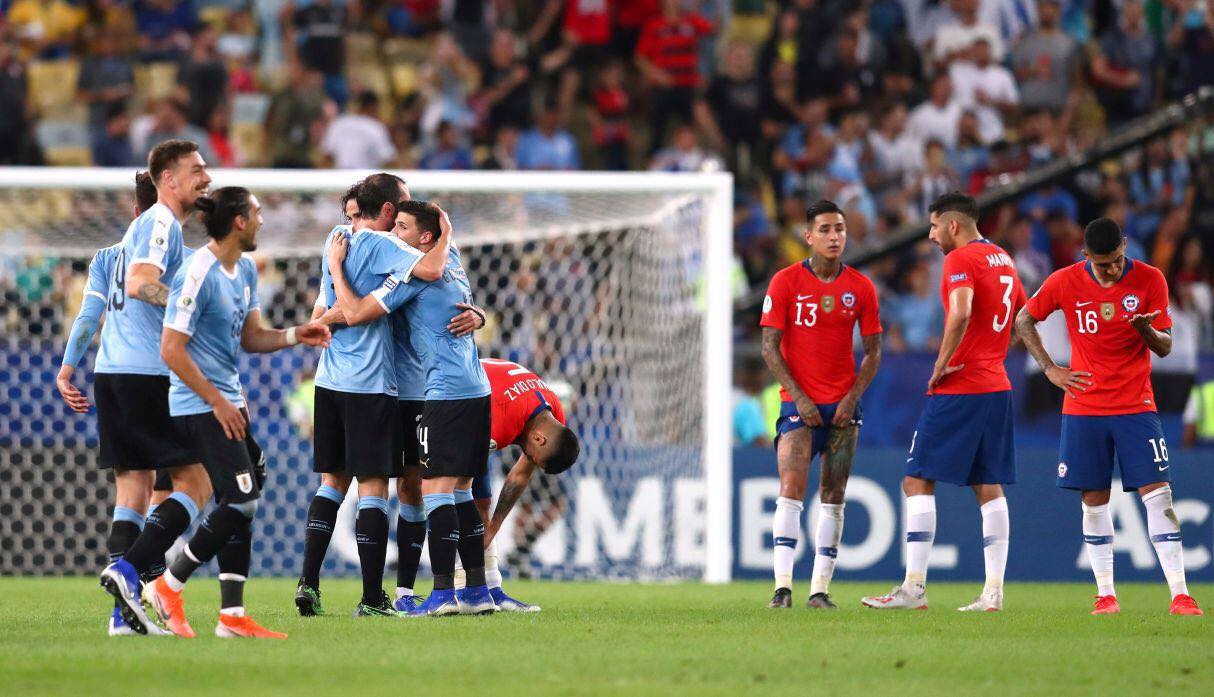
880	105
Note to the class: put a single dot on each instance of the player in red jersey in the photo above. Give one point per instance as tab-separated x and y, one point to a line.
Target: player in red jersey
1116	314
527	413
809	315
964	435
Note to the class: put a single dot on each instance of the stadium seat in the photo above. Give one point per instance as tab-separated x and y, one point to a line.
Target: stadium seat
404	79
249	142
52	84
155	80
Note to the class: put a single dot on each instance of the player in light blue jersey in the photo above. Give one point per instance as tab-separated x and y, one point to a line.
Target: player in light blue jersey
356	415
213	313
454	429
132	382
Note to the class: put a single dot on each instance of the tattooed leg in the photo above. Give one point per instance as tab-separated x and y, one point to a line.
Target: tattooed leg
792	459
836	467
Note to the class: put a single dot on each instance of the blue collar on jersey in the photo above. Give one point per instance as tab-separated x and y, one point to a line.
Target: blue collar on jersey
810	268
1129	264
543	405
980	239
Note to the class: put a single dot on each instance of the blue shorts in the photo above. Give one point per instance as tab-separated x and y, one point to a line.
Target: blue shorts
1091	444
964	439
482	488
790	420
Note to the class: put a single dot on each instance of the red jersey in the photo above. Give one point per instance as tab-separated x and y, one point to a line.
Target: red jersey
674	46
998	296
517	395
589	21
1103	342
817	320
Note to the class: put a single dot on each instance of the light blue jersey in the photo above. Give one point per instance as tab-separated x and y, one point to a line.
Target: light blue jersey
92	305
410	373
361	359
130	339
452	366
211	305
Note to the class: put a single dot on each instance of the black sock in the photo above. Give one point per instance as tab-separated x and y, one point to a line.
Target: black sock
322	516
123	534
471	543
409	540
214	532
163	527
444	540
233	560
371	533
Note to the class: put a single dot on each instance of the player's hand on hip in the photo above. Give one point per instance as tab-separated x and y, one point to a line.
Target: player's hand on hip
844	412
809	412
71	396
939	374
230	418
1068	379
465	322
338	247
1143	322
313	334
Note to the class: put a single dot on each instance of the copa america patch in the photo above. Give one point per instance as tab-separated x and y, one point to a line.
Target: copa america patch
766	304
185	302
1061	469
848	299
1130	303
957	277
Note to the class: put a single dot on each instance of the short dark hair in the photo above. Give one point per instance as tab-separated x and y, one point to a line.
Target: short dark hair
221	208
955	202
375	191
566	453
166	154
1102	236
145	191
350	195
424	212
821	207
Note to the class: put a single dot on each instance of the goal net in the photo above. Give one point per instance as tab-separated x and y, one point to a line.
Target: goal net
613	287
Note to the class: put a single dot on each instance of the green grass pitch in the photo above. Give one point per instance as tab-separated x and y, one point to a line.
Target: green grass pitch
627	639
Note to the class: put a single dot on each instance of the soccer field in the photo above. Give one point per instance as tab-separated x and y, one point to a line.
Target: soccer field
595	638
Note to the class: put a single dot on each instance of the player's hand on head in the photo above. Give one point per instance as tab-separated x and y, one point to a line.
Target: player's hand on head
1142	322
1068	379
444	221
338	246
71	395
313	334
230	418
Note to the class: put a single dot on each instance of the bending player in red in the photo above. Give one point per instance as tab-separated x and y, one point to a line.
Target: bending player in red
964	435
1116	314
526	413
809	315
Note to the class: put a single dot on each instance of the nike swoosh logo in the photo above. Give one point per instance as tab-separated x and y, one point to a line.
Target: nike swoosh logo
1164	467
1083	304
805	297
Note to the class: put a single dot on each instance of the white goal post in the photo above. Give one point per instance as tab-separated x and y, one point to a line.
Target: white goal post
654	249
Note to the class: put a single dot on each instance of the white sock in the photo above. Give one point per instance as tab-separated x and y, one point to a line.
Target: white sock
1165	535
826	546
172	581
493	575
237	611
402	592
1098	534
786	531
920	533
996	531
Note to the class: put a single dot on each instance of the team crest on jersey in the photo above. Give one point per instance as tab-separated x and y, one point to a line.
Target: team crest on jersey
766	304
1061	469
828	303
492	444
849	299
1130	303
1107	311
244	481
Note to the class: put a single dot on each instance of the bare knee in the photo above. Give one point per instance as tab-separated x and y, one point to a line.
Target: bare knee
193	481
133	489
1096	497
409	487
374	486
340	482
987	493
914	486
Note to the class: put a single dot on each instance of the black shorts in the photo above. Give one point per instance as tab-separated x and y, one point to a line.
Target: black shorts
134	425
229	463
410	420
454	438
356	434
163	481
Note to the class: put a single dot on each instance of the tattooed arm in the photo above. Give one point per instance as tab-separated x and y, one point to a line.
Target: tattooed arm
143	283
780	371
512	489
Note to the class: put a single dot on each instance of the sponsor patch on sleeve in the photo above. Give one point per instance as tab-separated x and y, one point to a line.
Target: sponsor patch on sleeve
957	277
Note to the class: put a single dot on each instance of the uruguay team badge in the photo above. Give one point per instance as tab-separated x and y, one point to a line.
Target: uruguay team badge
1130	303
828	303
849	300
1107	311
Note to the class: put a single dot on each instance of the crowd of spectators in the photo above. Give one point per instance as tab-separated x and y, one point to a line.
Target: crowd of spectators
880	105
